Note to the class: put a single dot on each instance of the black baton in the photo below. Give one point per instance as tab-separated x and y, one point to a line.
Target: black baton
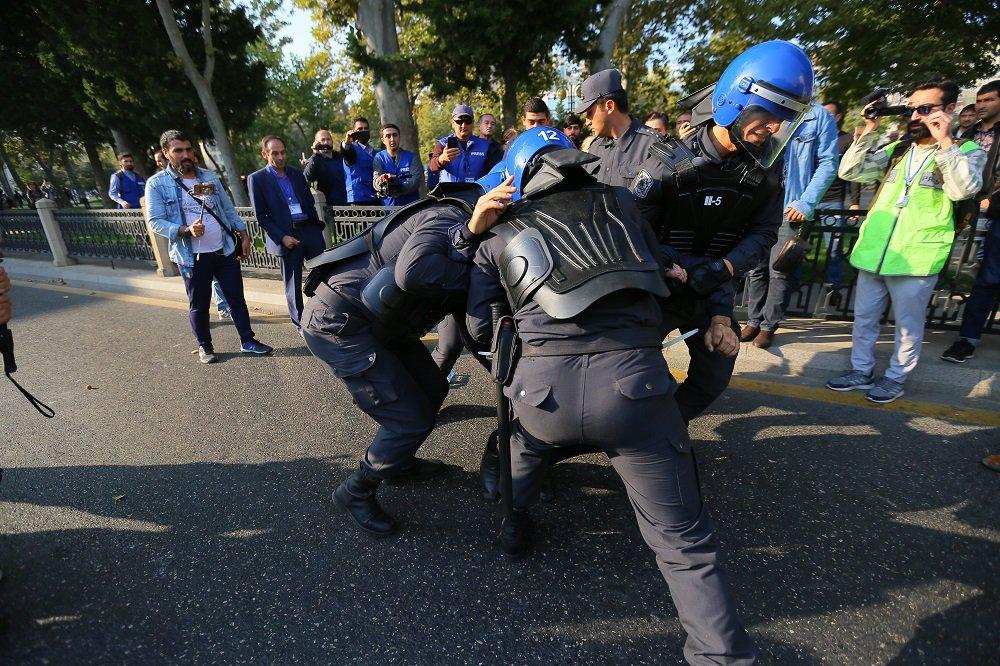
504	335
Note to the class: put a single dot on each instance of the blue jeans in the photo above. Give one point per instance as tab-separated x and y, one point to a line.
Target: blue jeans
984	291
220	299
835	254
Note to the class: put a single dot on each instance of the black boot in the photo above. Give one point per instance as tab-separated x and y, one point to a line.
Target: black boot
489	469
514	540
356	495
419	469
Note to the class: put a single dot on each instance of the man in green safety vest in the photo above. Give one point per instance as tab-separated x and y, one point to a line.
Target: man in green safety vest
906	239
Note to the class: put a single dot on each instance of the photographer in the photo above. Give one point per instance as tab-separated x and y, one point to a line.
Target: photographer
907	236
359	158
326	169
397	172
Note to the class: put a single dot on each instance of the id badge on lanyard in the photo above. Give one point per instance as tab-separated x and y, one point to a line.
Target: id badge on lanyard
909	177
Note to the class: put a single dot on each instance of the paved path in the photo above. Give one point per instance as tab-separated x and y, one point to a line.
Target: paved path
175	512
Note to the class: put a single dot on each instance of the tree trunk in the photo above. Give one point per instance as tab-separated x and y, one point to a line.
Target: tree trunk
124	144
202	82
10	167
209	161
50	175
100	175
508	100
377	21
608	37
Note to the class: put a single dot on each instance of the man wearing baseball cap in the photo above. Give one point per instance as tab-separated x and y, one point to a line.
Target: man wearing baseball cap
462	157
620	141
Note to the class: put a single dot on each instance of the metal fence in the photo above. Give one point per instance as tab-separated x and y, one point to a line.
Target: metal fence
824	286
343	222
346	222
106	234
21	232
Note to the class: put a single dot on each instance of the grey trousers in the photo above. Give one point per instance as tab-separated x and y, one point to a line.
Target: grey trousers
622	402
910	296
767	289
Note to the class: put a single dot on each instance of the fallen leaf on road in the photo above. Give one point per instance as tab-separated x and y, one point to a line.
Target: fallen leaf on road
119	498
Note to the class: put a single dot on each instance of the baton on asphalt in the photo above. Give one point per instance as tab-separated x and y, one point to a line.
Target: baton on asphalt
504	337
10	366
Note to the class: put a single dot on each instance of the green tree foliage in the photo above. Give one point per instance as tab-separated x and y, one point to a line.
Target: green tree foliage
855	45
480	45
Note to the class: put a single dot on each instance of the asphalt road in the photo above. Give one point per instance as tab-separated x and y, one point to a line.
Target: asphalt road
174	512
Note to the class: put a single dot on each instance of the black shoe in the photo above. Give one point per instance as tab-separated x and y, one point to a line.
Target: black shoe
959	352
356	495
836	298
514	540
489	469
419	469
206	354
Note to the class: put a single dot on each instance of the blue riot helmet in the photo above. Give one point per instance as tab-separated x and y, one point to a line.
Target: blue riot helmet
493	178
521	156
762	98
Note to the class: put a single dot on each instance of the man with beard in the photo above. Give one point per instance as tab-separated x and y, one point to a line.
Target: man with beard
201	228
906	238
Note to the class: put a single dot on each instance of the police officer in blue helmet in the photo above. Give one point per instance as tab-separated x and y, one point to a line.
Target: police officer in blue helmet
714	200
582	275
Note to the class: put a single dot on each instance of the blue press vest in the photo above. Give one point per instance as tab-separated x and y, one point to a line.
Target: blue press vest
403	169
470	165
358	176
129	191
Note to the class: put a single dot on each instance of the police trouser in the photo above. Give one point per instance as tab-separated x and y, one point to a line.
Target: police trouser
708	372
396	383
449	345
622	402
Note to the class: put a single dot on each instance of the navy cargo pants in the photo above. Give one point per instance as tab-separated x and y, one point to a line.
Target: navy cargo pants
396	383
622	402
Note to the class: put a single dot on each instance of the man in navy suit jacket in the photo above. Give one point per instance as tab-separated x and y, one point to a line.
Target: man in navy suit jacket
286	211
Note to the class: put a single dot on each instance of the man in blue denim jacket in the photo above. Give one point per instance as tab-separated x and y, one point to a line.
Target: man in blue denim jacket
811	161
200	241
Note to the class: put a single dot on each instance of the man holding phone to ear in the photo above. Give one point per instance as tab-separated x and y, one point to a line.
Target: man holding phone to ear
461	157
359	159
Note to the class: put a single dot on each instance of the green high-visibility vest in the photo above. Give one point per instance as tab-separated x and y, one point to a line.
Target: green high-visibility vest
914	239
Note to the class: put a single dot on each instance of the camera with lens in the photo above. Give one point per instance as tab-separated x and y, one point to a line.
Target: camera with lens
879	100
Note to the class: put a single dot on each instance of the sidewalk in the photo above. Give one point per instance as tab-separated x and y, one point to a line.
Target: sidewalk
806	351
811	351
259	292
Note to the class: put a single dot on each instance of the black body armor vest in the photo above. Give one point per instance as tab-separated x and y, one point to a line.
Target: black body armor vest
567	249
707	207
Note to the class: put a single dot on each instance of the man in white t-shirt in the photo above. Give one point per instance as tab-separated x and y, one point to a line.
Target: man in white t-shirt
202	231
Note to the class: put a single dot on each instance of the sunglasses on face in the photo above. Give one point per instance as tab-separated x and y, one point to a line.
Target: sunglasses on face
462	121
922	110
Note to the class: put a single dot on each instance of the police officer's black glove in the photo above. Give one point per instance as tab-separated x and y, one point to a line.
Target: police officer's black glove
708	277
